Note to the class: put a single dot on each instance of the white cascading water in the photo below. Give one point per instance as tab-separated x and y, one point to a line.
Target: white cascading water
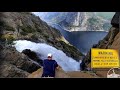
42	49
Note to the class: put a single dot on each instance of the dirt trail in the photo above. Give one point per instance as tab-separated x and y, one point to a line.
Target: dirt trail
61	74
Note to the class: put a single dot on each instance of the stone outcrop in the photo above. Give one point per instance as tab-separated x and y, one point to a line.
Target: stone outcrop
15	64
32	55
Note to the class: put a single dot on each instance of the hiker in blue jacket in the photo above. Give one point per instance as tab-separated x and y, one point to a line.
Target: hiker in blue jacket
49	67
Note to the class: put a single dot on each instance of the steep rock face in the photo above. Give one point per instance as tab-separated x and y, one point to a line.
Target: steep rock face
15	64
74	19
26	26
32	55
111	41
116	20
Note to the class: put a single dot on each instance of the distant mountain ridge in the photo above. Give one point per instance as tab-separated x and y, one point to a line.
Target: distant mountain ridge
79	21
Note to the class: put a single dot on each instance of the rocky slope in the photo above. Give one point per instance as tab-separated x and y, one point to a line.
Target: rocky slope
15	64
111	41
25	25
78	21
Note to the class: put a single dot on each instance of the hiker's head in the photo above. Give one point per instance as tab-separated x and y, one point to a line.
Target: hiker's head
49	56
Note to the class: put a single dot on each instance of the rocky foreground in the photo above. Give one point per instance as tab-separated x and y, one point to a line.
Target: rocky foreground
61	74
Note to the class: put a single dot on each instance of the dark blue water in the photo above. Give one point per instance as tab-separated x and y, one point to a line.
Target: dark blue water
83	40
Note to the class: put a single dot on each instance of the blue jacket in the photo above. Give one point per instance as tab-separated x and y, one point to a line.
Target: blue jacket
49	67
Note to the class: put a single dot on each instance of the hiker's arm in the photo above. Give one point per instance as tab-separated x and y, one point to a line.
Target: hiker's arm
58	67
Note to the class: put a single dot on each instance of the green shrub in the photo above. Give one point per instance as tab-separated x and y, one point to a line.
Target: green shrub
34	37
93	20
8	38
70	49
2	38
39	30
27	29
1	23
46	36
6	27
23	33
106	26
